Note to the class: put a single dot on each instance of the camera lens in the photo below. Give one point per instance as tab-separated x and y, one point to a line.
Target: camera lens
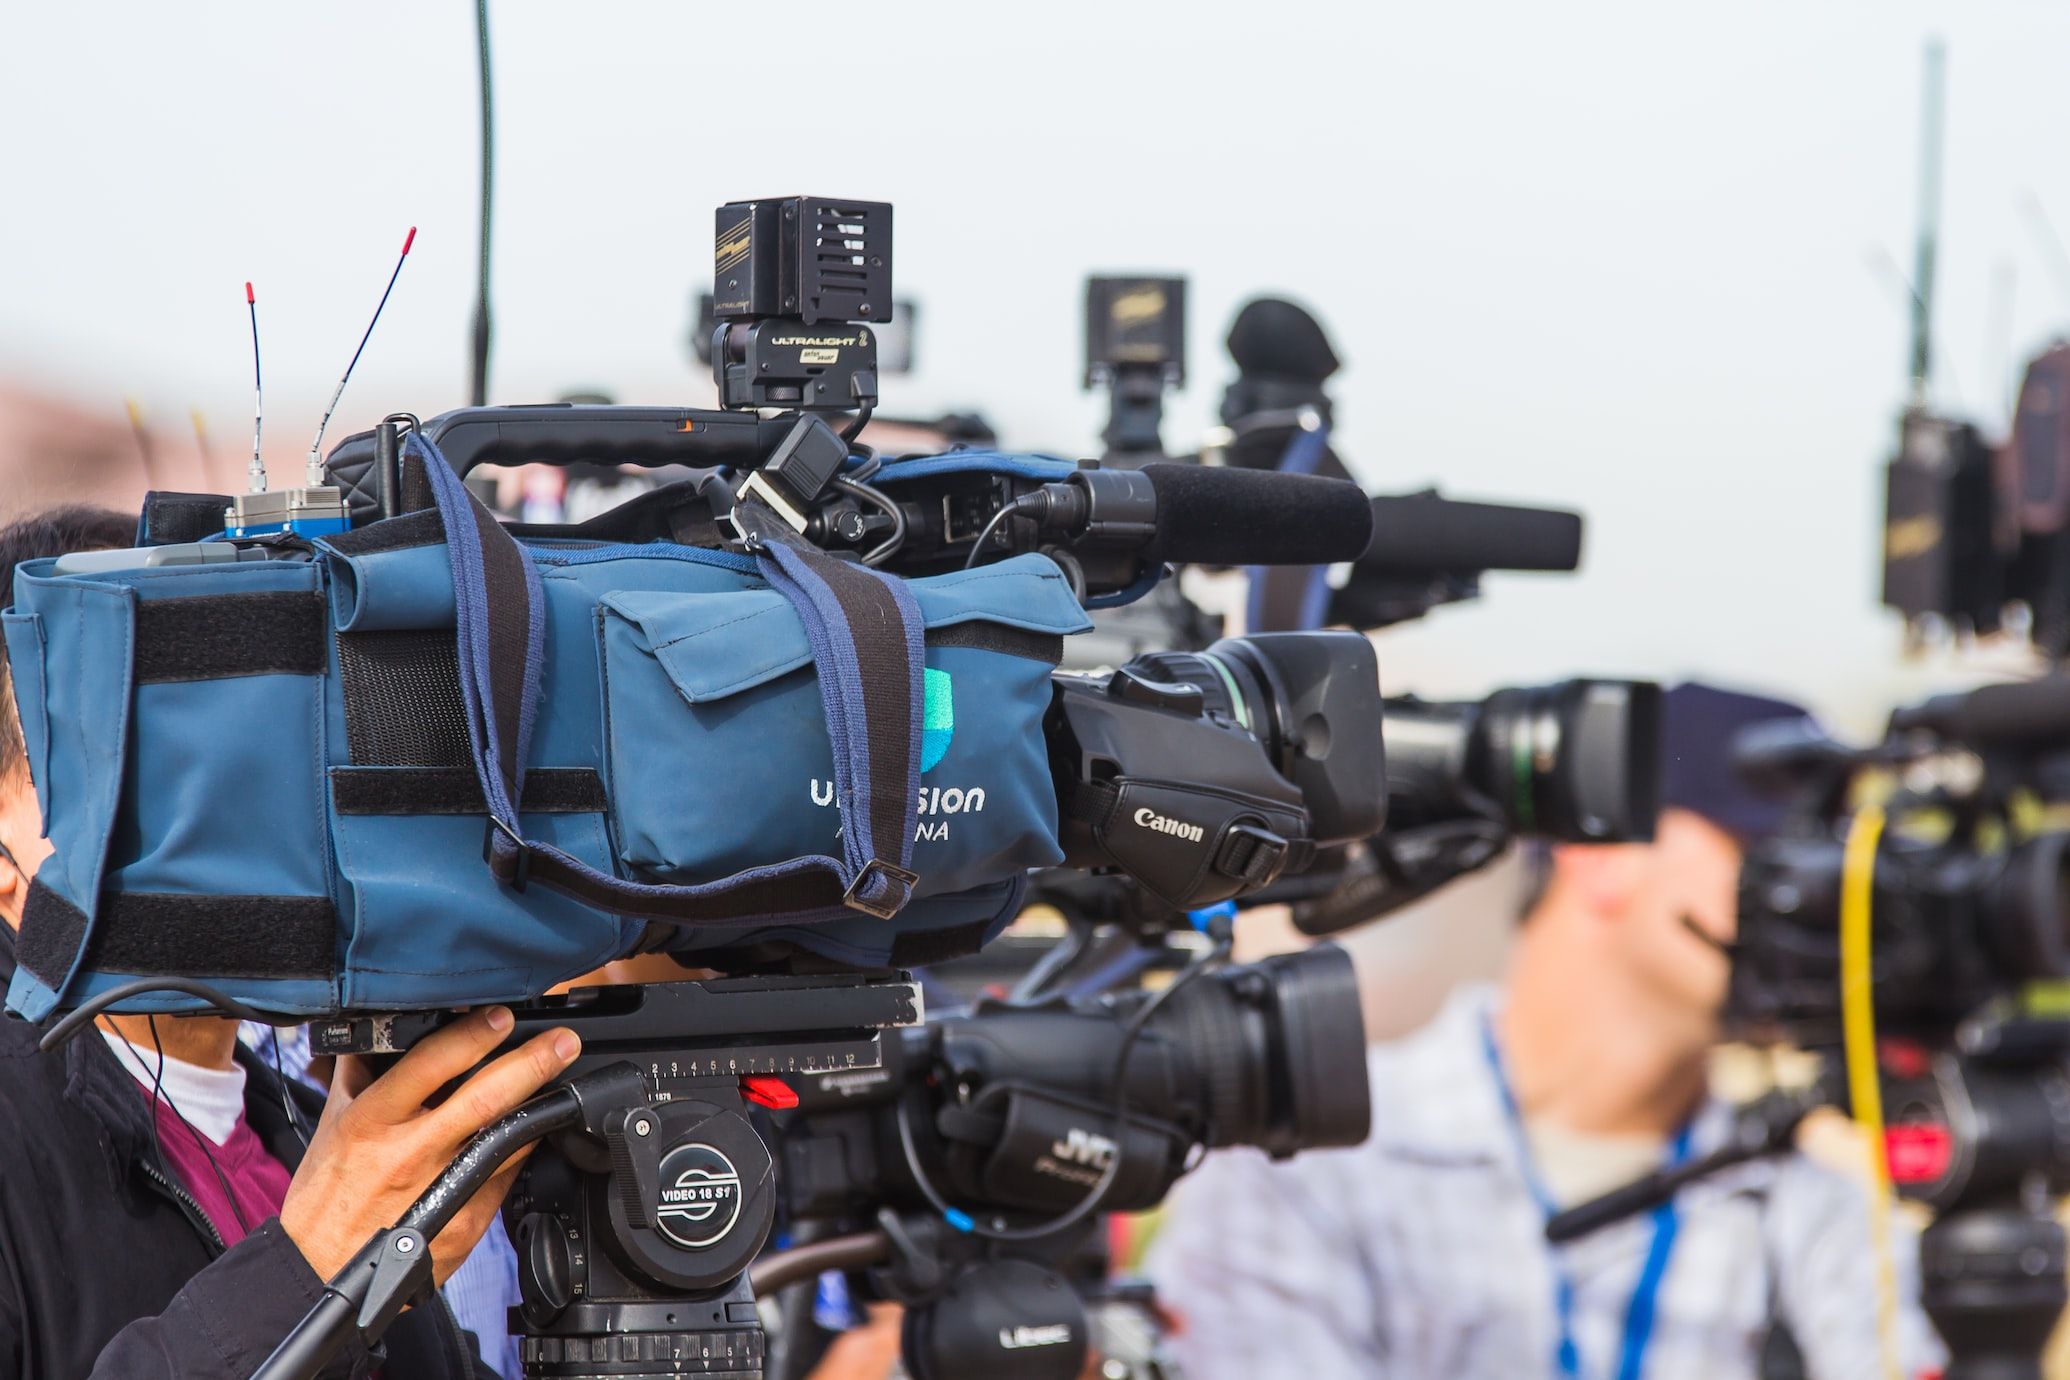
2028	908
1577	761
1278	1049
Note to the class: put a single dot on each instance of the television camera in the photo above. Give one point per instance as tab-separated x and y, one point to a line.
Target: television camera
1201	776
1942	849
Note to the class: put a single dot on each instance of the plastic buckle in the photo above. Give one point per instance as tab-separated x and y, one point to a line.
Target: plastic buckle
880	909
738	533
524	851
1252	855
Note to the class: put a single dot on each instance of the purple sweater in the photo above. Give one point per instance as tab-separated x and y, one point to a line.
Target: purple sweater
256	1182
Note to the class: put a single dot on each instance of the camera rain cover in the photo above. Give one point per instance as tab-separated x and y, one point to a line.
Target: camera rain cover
429	764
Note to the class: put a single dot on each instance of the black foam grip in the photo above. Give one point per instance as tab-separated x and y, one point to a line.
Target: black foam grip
1216	516
2020	711
572	433
1418	533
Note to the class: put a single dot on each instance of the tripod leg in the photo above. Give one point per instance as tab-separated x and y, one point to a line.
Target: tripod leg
1992	1278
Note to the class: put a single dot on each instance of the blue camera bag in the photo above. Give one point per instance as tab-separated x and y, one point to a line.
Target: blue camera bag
427	764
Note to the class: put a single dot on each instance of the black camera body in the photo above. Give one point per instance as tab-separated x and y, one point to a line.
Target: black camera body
1970	894
1206	775
1007	1111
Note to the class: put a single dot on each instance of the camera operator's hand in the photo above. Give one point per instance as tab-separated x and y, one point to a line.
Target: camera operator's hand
868	1352
379	1145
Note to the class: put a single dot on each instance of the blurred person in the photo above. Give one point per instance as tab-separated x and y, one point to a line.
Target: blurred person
1423	1253
165	1208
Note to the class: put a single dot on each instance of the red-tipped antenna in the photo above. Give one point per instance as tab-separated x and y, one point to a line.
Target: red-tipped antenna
256	476
316	446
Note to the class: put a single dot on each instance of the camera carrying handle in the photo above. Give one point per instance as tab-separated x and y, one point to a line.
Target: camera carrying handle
865	630
576	433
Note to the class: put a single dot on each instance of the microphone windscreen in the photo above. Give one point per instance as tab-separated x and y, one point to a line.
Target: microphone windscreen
1421	533
2016	712
1274	336
1217	516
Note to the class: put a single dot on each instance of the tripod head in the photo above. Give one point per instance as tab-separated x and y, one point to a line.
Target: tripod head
636	1220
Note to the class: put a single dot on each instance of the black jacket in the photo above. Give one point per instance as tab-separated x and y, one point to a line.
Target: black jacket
105	1272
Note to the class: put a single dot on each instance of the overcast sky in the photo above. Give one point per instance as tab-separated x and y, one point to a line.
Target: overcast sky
1618	257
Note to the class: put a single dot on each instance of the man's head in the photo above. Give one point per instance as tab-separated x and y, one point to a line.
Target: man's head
54	533
1658	914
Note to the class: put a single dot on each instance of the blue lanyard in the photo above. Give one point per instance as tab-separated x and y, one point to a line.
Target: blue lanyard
1638	1314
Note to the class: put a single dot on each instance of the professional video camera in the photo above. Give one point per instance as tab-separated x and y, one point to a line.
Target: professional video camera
1010	1111
1970	881
1925	873
453	671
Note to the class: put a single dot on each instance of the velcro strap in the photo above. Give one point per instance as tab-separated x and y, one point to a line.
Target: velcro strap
394	534
151	933
1252	855
170	517
1093	803
219	636
458	791
986	636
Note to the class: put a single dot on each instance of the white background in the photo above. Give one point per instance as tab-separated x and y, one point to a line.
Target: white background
1617	257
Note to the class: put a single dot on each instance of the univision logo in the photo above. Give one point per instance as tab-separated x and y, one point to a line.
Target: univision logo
937	717
937	730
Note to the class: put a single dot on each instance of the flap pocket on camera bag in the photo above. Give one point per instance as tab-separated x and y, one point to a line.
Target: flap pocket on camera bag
718	754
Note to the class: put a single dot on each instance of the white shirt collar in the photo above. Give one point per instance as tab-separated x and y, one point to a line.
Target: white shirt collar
211	1100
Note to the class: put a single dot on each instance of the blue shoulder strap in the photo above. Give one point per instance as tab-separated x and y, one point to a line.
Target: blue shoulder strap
866	635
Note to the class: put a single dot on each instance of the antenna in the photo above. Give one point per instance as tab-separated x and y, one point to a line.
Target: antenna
1999	333
136	426
2047	240
478	392
1932	102
1884	265
315	475
256	476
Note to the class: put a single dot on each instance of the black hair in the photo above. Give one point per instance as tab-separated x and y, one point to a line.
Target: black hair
53	532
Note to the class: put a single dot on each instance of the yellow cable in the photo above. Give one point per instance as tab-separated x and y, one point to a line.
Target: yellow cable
1864	1087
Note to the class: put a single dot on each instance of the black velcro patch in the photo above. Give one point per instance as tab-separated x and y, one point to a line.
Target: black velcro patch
176	517
214	936
919	948
997	637
457	791
403	706
52	929
219	636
